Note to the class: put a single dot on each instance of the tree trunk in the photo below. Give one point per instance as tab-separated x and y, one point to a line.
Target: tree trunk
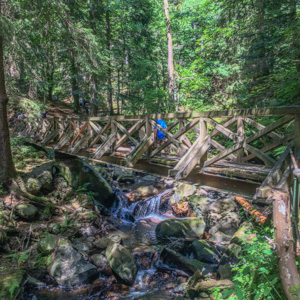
7	168
109	79
285	244
170	53
296	35
74	82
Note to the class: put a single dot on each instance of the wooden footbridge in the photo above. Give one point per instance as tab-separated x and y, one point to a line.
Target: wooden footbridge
243	150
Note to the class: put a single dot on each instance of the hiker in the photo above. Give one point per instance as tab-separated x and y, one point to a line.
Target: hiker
39	114
159	136
44	116
81	102
86	107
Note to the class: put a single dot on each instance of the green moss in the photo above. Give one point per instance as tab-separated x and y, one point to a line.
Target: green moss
295	292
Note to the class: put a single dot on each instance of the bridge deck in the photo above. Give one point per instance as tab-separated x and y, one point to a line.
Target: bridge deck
237	150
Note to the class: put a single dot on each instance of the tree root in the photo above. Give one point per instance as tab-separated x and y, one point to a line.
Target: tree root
18	187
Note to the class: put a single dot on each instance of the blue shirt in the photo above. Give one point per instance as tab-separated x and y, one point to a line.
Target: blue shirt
160	135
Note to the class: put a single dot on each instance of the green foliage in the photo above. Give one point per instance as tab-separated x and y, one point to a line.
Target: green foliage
13	287
256	273
19	258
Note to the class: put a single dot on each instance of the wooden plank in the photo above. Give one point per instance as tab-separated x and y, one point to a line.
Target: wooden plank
259	126
175	136
102	149
252	112
132	130
270	162
297	133
146	143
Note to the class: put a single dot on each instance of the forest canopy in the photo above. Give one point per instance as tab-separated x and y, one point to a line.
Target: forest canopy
227	54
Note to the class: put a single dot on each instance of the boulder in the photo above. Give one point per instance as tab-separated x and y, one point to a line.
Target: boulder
243	235
182	192
188	228
121	262
33	186
10	283
102	243
142	193
207	286
69	269
26	211
45	179
123	175
85	201
144	256
47	244
76	172
205	252
101	262
178	261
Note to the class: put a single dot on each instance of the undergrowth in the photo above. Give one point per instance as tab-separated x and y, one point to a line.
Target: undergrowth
256	275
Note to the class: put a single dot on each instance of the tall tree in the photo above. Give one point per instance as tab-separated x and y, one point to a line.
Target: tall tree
170	53
7	168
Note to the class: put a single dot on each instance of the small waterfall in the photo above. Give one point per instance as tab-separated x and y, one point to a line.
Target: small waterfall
149	206
127	211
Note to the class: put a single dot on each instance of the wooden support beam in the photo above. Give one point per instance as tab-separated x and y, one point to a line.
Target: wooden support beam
192	157
221	148
143	147
101	136
102	149
266	130
125	131
241	134
259	126
79	131
270	162
273	177
64	139
50	137
284	141
222	129
137	126
80	144
175	136
202	136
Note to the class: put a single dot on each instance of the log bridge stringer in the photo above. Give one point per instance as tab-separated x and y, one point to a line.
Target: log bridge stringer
249	146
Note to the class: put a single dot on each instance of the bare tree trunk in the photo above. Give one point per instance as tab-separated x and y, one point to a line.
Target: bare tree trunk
74	82
7	168
285	243
109	79
170	53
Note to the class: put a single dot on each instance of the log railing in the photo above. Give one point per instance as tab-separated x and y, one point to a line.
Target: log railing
192	139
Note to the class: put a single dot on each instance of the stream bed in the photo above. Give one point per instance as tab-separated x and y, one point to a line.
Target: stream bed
165	259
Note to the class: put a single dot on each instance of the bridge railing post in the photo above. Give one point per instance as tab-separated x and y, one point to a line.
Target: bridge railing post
202	134
241	133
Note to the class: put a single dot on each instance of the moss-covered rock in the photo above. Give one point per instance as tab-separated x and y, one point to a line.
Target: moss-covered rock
188	228
182	192
47	244
121	262
178	261
205	252
33	186
45	179
26	211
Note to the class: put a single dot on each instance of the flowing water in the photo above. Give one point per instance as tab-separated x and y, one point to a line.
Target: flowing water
136	224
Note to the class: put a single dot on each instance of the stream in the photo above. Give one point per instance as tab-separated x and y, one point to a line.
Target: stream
135	223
